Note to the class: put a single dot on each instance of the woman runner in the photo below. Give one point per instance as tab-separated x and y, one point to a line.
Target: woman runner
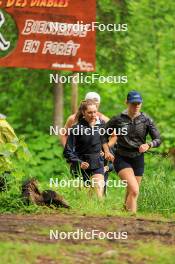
83	148
129	156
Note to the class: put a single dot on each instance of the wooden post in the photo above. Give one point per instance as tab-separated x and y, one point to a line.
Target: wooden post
74	95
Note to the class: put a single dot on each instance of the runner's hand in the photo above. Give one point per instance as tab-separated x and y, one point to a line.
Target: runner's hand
109	156
143	148
84	165
102	153
106	169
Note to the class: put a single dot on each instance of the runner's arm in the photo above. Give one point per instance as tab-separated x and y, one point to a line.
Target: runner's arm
69	150
154	133
109	127
68	124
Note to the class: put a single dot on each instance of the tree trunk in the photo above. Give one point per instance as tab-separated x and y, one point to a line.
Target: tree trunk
74	97
58	105
124	16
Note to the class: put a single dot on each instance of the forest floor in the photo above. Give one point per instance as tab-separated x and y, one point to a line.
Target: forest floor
26	239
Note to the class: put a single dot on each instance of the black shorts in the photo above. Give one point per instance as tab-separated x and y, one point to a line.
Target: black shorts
88	173
137	164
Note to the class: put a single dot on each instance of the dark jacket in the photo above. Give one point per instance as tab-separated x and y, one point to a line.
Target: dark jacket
136	132
77	146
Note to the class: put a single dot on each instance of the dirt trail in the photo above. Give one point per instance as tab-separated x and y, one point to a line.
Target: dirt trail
30	228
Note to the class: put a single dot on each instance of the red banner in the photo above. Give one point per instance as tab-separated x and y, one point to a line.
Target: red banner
52	34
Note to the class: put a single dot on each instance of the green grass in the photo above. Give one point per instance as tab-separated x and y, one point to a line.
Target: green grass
156	193
158	187
154	252
147	253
